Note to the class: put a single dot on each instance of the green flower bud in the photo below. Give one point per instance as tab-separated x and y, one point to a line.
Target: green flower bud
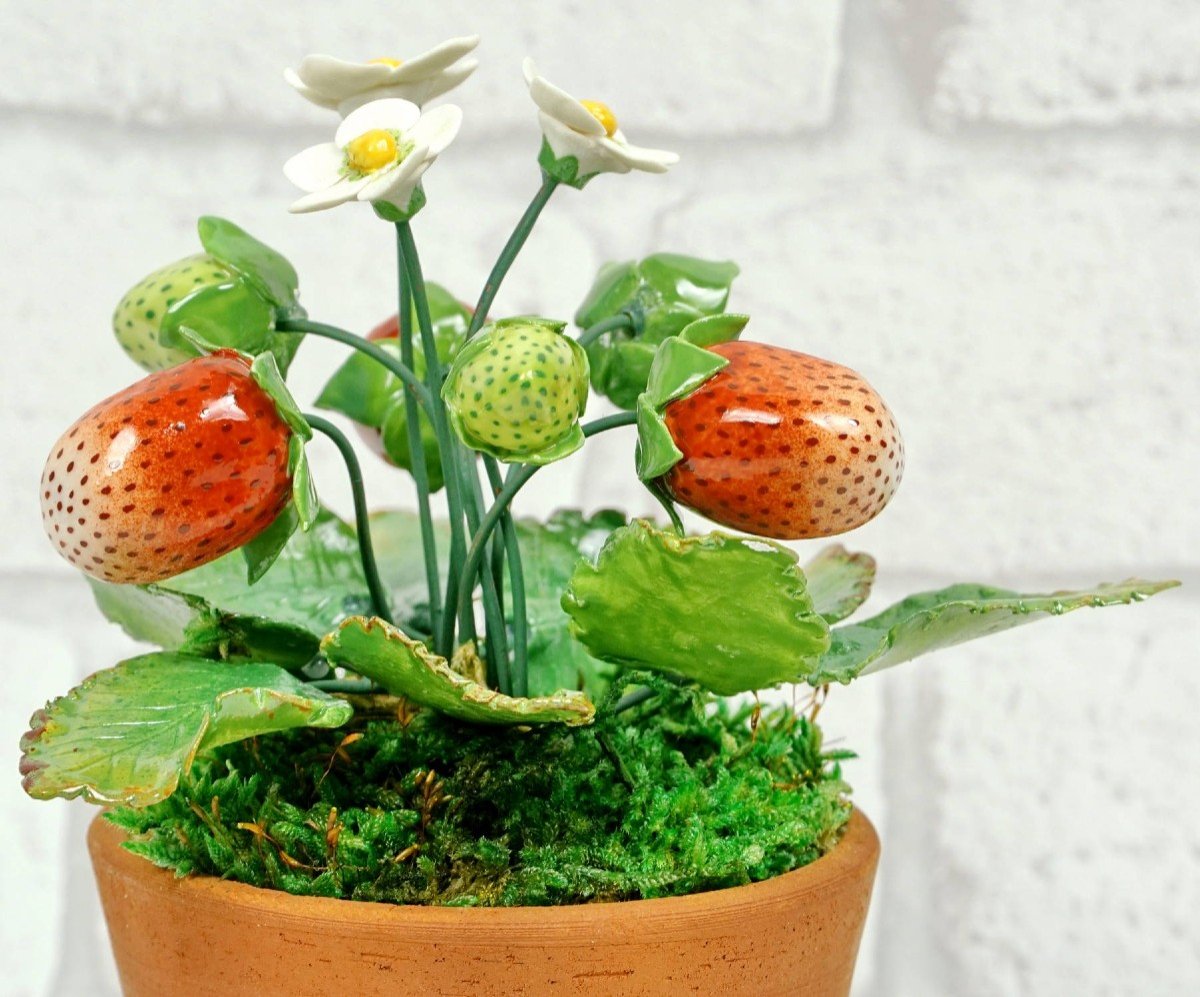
517	391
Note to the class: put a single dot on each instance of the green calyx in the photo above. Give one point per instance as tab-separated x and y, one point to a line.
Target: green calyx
394	213
564	169
678	369
303	509
517	391
664	293
231	296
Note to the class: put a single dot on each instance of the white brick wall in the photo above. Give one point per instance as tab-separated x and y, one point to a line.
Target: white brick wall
989	208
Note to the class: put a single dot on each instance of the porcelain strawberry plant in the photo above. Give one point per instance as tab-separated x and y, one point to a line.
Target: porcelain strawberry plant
594	649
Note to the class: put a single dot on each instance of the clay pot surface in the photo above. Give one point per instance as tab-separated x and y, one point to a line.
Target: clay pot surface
794	935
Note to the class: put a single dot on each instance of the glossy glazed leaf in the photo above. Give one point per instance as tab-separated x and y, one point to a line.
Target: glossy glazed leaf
267	269
679	368
316	582
656	449
127	735
839	581
665	292
732	614
261	552
404	667
713	329
550	551
930	621
231	314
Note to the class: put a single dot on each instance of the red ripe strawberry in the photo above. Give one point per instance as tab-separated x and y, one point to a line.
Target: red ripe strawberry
174	471
784	445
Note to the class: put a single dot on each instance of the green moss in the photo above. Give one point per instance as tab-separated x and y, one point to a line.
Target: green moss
672	797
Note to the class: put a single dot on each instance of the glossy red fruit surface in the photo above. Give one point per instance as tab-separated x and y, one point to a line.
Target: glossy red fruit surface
174	471
785	445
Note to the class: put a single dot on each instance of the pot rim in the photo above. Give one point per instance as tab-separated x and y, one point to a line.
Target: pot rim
859	845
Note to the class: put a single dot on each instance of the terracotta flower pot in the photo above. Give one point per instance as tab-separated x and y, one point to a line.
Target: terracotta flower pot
797	934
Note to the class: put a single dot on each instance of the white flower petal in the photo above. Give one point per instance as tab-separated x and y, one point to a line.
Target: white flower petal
564	141
306	92
436	59
316	168
437	128
392	114
336	79
338	193
559	104
448	79
640	158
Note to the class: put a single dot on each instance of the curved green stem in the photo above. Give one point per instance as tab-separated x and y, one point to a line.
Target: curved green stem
631	699
411	381
513	483
416	452
366	548
516	584
509	253
452	470
613	322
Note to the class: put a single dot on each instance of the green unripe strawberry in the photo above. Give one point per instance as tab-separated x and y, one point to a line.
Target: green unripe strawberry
138	320
517	391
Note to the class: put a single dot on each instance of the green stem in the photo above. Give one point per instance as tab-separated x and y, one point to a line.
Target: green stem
345	685
622	320
416	452
366	548
516	584
509	253
447	445
411	381
463	490
632	699
513	483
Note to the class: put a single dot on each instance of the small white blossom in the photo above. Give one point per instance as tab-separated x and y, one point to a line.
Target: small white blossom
345	86
379	154
587	131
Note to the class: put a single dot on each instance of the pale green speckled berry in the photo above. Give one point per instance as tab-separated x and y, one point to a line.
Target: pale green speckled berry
517	391
137	322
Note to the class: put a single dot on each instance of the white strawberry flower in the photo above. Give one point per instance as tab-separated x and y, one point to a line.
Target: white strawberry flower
586	131
345	86
379	154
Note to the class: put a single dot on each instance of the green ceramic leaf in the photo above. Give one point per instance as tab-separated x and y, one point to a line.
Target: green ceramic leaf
261	552
679	368
265	268
127	735
930	621
404	667
665	292
714	329
363	389
316	583
549	552
731	613
620	369
839	581
231	314
656	450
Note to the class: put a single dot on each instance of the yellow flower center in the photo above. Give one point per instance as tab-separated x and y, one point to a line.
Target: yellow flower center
602	113
385	61
371	151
